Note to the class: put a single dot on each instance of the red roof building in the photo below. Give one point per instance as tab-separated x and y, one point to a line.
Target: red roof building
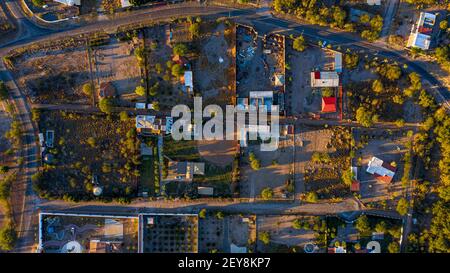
328	105
107	90
355	186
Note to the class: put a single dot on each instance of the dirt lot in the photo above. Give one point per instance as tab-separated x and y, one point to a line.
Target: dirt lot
283	237
303	98
54	76
389	147
218	152
275	171
214	67
87	146
242	231
211	235
59	230
321	177
116	63
256	69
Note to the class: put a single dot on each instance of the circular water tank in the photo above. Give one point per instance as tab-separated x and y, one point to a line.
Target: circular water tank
97	191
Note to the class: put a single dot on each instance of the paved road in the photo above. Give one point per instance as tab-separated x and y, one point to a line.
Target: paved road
391	8
24	197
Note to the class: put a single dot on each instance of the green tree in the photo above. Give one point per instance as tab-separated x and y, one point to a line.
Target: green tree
91	141
88	89
106	105
123	116
364	117
38	3
140	90
180	49
3	91
220	215
202	214
267	193
443	25
299	43
327	92
264	237
394	247
194	29
4	169
402	206
362	224
312	197
8	237
377	86
154	89
347	177
177	70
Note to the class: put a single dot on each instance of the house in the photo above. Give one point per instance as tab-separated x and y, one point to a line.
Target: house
380	170
148	125
422	31
107	90
125	3
328	104
337	61
324	79
184	171
69	2
355	186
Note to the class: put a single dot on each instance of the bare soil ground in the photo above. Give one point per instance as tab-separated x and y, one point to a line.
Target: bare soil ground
117	64
54	76
214	66
303	98
211	234
218	152
389	148
283	234
275	171
242	233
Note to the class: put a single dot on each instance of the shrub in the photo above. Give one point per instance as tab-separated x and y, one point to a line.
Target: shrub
106	105
8	237
202	214
88	89
264	237
140	90
402	206
180	49
123	116
267	193
312	197
299	43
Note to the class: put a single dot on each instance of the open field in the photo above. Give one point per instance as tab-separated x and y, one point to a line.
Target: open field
285	238
275	172
54	76
88	146
87	234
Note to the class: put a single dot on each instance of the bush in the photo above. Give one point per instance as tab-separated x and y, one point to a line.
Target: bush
194	29
402	206
91	142
177	70
327	92
4	169
299	43
38	3
8	237
123	116
3	91
394	247
364	117
264	237
180	49
140	90
202	214
267	193
106	105
377	86
88	89
351	61
312	197
362	224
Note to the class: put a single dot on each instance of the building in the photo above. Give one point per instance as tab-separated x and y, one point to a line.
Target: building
373	2
422	31
324	79
184	171
125	3
382	171
187	79
355	186
107	90
69	2
151	125
208	191
328	104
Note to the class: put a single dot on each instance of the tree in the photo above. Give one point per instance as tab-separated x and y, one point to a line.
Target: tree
177	70
327	92
443	25
377	86
400	123
299	43
297	224
391	72
202	214
106	105
347	177
8	237
3	91
220	215
267	193
394	247
123	116
365	18
351	61
88	89
140	90
364	117
381	227
264	237
38	3
362	224
180	49
154	89
402	206
4	169
91	142
312	197
194	29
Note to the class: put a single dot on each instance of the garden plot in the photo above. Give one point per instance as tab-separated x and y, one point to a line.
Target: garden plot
161	61
218	171
321	158
303	98
88	234
284	235
214	68
211	235
388	146
115	63
54	76
89	148
274	173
